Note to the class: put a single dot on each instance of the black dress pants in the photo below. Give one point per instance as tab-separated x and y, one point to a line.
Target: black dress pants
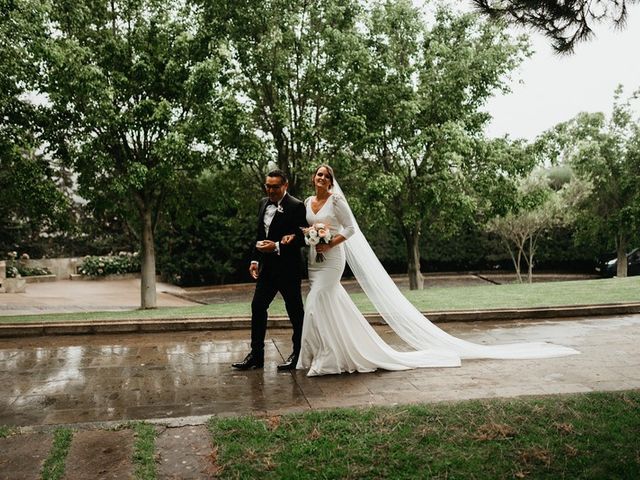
268	285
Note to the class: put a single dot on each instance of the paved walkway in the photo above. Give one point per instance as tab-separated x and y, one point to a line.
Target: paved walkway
65	296
71	379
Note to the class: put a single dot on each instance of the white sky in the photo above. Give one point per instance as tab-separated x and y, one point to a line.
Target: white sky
549	88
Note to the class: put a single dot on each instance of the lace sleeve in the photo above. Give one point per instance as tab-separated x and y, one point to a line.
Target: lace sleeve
343	214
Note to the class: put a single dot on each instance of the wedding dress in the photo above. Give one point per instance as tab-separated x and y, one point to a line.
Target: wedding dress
337	338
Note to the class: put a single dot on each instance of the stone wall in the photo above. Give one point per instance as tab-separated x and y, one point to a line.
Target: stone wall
62	268
10	285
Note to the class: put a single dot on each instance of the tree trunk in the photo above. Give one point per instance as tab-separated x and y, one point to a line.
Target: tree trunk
530	261
148	277
515	259
622	258
518	260
412	238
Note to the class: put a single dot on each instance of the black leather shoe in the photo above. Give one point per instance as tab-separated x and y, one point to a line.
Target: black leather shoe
290	363
249	362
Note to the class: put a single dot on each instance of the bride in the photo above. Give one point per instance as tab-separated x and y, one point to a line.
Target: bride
337	338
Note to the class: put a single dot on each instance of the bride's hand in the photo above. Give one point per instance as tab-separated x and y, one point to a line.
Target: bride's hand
287	239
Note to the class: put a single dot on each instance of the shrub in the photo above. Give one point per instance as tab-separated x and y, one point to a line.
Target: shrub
16	268
12	266
32	271
123	262
12	272
207	236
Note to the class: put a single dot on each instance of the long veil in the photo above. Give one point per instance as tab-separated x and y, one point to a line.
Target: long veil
407	321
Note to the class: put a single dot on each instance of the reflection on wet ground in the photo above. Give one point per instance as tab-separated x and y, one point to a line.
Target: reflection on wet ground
71	379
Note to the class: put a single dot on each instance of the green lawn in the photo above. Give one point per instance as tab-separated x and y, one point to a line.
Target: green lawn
588	436
578	292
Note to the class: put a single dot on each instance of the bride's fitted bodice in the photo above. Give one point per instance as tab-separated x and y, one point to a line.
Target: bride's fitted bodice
334	213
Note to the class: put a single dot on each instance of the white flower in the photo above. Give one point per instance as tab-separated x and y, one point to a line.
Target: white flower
313	240
324	234
313	233
279	209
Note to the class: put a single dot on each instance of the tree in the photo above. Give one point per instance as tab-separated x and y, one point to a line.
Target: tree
537	209
134	101
565	22
31	203
419	99
30	200
605	153
204	241
293	59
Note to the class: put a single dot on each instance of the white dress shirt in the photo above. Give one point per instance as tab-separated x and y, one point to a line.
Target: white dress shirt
269	214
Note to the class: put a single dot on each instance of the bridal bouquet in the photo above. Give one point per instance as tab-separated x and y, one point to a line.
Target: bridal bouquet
315	234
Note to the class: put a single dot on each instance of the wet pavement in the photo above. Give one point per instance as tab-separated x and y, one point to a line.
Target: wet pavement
182	378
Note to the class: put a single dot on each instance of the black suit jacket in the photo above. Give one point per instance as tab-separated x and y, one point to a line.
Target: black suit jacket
290	220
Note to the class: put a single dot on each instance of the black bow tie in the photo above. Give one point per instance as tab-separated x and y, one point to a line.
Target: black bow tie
269	202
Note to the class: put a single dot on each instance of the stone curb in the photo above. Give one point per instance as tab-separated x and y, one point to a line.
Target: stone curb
12	330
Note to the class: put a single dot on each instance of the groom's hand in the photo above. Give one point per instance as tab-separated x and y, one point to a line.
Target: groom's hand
266	246
253	270
287	239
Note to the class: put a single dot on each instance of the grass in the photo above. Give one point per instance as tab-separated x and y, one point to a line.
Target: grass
577	292
6	431
54	465
144	451
589	436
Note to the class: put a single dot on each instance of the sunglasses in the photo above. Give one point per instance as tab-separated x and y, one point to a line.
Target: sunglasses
273	187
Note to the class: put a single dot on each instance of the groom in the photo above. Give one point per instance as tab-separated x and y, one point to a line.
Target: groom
276	267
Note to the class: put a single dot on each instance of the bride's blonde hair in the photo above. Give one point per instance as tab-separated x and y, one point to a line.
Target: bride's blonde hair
328	168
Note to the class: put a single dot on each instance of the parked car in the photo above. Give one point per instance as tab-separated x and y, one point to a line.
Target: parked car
607	265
